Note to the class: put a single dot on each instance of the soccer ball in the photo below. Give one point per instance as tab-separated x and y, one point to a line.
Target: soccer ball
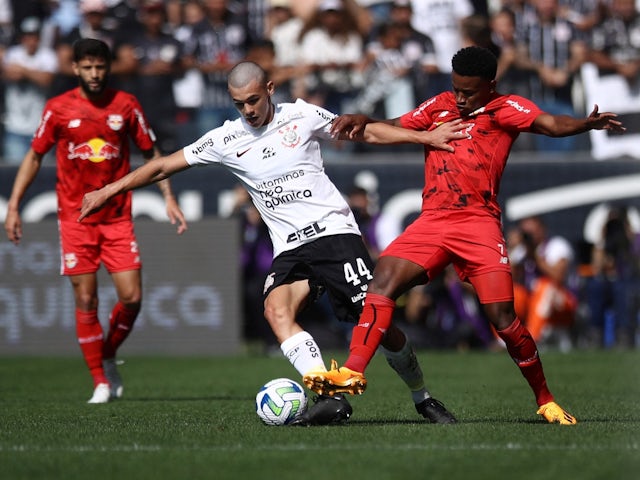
280	401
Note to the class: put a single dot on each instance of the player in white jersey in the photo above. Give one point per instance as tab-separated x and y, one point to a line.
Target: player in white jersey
274	151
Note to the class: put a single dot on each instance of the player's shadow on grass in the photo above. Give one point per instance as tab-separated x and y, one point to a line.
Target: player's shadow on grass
463	421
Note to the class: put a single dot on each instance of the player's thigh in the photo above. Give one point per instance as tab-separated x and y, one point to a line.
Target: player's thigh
119	247
344	266
79	248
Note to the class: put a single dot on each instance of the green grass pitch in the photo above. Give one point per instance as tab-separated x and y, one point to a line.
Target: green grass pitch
194	418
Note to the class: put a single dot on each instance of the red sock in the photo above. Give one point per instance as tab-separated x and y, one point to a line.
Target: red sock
90	338
367	335
120	325
524	352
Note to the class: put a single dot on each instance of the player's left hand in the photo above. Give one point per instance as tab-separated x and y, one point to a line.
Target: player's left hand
350	124
604	121
175	214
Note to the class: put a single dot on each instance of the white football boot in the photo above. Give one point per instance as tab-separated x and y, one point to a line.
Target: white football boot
101	394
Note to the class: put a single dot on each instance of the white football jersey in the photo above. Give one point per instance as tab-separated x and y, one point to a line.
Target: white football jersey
281	167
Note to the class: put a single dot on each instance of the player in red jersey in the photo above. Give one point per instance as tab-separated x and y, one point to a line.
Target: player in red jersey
460	219
91	126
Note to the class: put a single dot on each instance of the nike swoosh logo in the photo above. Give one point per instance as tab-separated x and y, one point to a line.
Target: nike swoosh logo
239	154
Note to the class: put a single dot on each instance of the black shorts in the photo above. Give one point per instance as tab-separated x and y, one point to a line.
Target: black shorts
338	264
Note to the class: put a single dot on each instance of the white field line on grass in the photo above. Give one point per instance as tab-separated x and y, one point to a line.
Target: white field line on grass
298	448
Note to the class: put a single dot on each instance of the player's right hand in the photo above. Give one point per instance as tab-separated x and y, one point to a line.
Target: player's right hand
13	226
91	203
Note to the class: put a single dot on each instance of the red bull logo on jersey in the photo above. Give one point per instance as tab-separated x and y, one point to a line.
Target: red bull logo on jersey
95	150
115	122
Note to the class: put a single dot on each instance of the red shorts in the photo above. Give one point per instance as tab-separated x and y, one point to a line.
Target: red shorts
84	246
474	245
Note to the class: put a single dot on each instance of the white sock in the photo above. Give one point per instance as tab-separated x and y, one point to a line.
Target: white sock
406	365
303	353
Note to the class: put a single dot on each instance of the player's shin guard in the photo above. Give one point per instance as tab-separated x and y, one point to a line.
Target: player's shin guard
524	352
120	326
91	340
367	334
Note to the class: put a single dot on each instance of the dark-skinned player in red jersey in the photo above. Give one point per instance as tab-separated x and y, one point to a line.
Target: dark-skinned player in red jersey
91	127
460	220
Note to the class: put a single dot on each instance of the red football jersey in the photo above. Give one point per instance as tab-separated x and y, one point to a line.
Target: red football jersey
92	148
469	178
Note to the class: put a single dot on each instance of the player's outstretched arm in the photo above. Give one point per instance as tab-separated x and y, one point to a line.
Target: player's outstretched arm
153	171
174	212
363	129
565	125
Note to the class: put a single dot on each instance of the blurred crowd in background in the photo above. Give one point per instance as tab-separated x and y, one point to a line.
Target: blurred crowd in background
377	57
381	58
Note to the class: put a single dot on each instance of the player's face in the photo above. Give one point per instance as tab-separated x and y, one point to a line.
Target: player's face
471	93
92	73
254	102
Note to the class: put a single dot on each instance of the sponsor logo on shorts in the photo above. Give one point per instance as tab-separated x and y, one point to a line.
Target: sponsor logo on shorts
268	282
309	231
359	297
70	260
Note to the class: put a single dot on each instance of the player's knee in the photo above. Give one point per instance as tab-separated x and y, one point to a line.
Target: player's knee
86	302
500	314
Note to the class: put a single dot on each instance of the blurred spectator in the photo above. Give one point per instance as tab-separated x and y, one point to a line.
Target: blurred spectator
612	290
332	45
547	263
6	24
378	10
476	30
93	24
387	76
445	314
416	47
366	217
28	72
158	58
283	30
263	53
122	17
22	9
616	42
215	45
188	90
520	251
550	51
64	17
255	13
503	35
440	20
583	14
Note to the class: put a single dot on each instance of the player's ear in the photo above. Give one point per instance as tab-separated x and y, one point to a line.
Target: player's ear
270	88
